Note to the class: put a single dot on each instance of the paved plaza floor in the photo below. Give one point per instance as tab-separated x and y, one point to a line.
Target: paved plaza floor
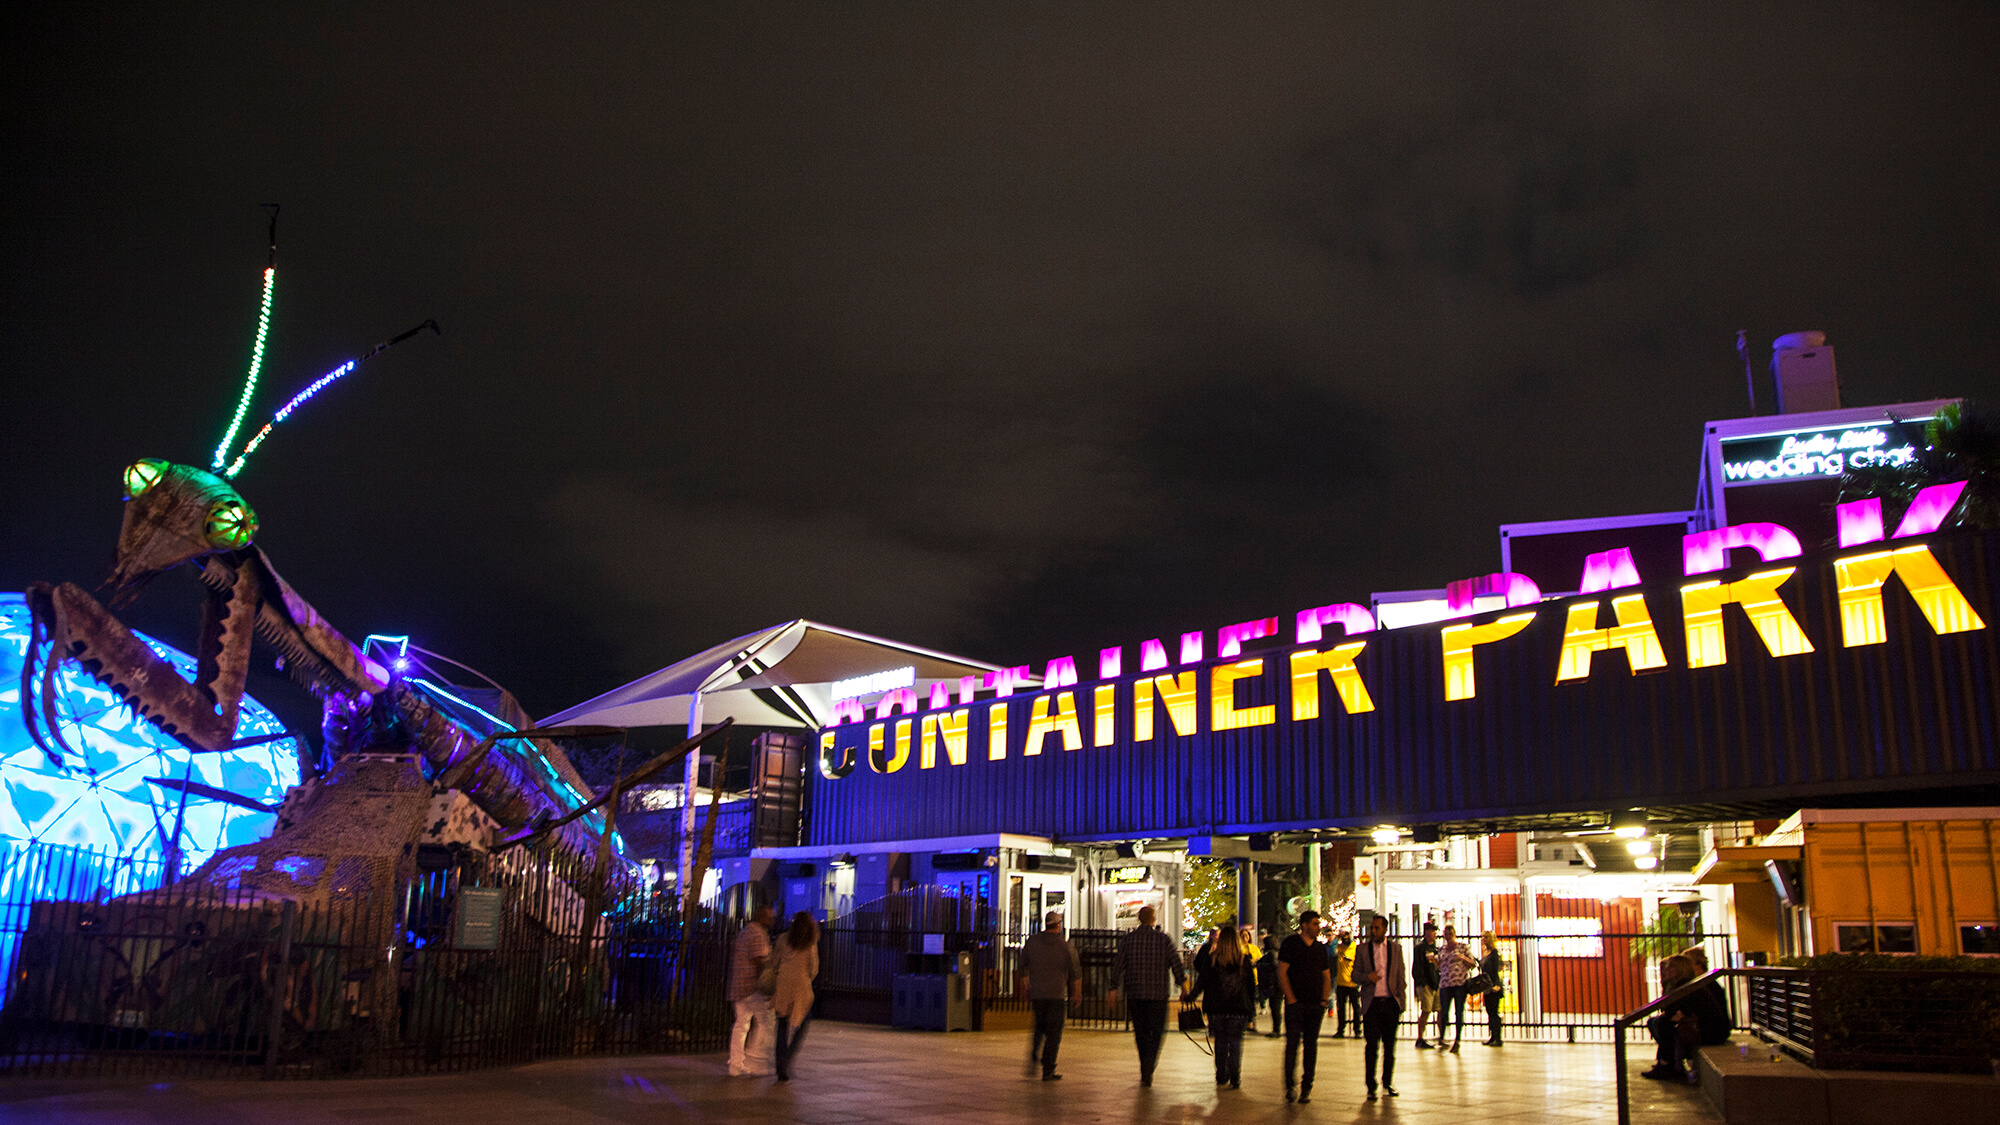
849	1072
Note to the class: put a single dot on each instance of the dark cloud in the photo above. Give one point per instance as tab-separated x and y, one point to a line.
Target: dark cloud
1015	330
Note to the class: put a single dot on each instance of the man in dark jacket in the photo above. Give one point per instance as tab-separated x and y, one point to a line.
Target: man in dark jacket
1053	981
1267	985
1380	978
1424	974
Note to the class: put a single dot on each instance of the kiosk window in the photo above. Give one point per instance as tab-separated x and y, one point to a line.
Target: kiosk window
1898	937
1979	941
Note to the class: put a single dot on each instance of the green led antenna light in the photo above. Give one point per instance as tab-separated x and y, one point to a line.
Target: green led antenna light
256	349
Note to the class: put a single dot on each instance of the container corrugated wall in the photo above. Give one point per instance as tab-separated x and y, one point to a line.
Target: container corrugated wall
1917	712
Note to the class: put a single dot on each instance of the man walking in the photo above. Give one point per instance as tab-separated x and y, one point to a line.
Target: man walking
750	1039
1424	972
1053	981
1308	981
1145	957
1378	967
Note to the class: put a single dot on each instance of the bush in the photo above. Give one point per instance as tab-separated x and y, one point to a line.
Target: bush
1874	1011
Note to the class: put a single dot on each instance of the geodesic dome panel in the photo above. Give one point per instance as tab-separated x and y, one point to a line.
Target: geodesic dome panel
101	798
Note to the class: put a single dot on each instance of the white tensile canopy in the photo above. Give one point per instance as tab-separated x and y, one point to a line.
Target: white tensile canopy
782	676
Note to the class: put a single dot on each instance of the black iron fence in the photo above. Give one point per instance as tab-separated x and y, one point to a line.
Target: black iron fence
1554	988
494	960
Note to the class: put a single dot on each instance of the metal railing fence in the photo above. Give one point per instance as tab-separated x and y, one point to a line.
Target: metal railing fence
363	972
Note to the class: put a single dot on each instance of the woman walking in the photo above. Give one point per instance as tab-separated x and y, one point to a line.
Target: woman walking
1489	967
1227	985
1455	961
798	964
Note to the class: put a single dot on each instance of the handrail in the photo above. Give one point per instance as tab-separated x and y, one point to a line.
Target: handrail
1619	1025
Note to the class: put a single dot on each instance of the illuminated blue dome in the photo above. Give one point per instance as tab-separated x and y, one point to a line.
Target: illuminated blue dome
101	799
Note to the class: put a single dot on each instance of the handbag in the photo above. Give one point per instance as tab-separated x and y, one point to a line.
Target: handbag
1191	1020
1481	982
767	977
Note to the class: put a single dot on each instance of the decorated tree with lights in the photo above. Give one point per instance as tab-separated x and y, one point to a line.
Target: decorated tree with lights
1209	895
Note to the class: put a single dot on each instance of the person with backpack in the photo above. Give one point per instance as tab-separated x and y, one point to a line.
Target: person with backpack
1267	985
1227	985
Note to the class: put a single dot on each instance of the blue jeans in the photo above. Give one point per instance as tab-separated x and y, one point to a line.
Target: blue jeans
1451	1005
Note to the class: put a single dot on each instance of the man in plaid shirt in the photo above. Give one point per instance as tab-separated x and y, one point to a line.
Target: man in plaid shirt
1145	957
751	1039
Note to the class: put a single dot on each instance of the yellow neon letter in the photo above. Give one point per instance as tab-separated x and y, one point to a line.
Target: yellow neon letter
1043	722
877	760
996	731
828	768
1459	641
1634	633
952	726
1701	614
1223	714
1860	581
1177	692
1337	662
1104	728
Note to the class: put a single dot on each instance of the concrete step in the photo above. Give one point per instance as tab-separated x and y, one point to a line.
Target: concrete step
1751	1084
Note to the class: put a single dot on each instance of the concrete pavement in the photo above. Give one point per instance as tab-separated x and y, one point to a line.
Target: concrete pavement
850	1072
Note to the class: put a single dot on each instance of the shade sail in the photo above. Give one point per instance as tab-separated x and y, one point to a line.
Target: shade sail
782	676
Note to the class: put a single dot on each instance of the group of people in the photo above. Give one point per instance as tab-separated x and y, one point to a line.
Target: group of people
1374	983
770	984
771	988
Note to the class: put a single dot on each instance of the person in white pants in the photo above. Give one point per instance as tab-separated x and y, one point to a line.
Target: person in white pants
752	1041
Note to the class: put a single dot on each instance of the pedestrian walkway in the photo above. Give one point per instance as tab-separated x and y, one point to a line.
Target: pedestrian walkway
850	1072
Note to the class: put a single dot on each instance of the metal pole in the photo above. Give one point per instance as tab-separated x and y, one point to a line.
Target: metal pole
690	781
1624	1098
1312	877
281	980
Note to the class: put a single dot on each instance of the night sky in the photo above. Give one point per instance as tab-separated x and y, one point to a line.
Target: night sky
1014	330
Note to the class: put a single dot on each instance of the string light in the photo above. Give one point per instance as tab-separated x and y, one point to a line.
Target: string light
256	364
285	412
314	388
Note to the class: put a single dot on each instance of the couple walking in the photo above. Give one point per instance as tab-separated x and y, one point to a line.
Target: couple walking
771	982
1382	983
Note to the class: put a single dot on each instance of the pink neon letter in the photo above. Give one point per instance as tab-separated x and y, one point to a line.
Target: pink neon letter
1518	589
1061	673
968	689
1350	617
902	701
1609	570
1229	639
1191	647
848	711
1859	521
1111	662
1152	656
1706	552
1003	681
1928	511
940	697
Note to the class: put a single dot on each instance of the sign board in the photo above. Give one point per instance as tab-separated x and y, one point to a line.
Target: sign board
477	921
1823	453
1139	876
933	943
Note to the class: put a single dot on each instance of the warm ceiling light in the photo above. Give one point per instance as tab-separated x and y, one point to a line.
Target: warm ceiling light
1646	862
1630	825
1639	847
1385	835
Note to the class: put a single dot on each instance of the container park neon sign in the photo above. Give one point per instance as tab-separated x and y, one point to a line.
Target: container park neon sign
937	730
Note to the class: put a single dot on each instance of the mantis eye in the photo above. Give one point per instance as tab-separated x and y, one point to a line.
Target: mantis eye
231	524
142	475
